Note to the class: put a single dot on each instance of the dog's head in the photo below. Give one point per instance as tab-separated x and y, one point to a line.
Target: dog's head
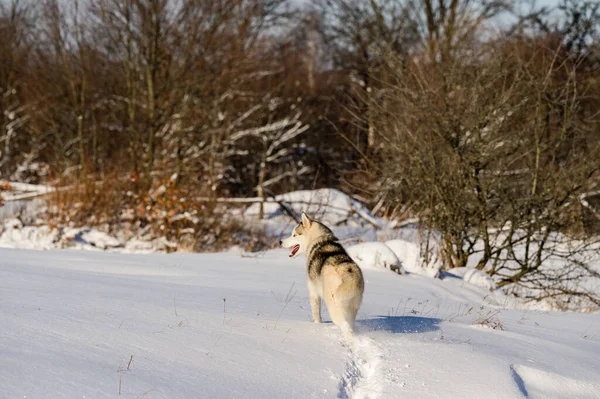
304	235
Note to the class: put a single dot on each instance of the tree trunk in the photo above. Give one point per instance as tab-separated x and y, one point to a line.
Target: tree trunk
82	157
261	189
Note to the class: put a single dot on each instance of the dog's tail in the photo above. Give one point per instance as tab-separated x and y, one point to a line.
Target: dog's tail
348	308
348	332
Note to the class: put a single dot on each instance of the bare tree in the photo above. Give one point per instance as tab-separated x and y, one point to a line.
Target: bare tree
15	111
274	139
448	28
359	33
496	152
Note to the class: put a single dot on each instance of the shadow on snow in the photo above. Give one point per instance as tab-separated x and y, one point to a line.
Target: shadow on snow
399	324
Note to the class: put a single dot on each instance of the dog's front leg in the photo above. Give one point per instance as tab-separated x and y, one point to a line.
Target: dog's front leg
315	302
315	305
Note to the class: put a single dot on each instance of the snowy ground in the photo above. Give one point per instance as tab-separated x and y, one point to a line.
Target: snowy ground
102	325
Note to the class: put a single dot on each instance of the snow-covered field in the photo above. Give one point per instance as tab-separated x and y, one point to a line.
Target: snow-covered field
78	324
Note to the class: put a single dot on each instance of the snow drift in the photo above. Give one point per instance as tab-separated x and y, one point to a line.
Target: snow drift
375	255
327	205
410	255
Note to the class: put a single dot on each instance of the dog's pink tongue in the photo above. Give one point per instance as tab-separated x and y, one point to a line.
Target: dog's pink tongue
294	250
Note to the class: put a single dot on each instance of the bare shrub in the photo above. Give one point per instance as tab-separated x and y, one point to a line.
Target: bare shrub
119	203
495	150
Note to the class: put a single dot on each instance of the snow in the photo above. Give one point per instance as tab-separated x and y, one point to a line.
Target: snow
20	191
375	255
543	384
136	245
27	208
409	254
103	325
351	222
37	188
91	237
327	205
13	234
472	276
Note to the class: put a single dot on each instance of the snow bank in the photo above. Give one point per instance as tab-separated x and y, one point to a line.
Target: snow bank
90	238
20	191
409	254
375	255
14	234
473	276
329	206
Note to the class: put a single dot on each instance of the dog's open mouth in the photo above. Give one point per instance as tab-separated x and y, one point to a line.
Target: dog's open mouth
294	250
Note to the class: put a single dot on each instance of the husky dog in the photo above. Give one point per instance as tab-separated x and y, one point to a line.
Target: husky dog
332	275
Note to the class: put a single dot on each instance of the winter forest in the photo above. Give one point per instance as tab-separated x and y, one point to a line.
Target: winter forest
477	122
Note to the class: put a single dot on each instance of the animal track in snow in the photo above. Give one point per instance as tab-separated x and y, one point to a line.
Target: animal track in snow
362	378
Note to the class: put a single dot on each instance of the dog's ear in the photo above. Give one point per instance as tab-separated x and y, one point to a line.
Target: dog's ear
306	222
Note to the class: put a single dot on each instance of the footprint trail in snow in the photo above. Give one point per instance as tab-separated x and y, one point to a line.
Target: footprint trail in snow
362	378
